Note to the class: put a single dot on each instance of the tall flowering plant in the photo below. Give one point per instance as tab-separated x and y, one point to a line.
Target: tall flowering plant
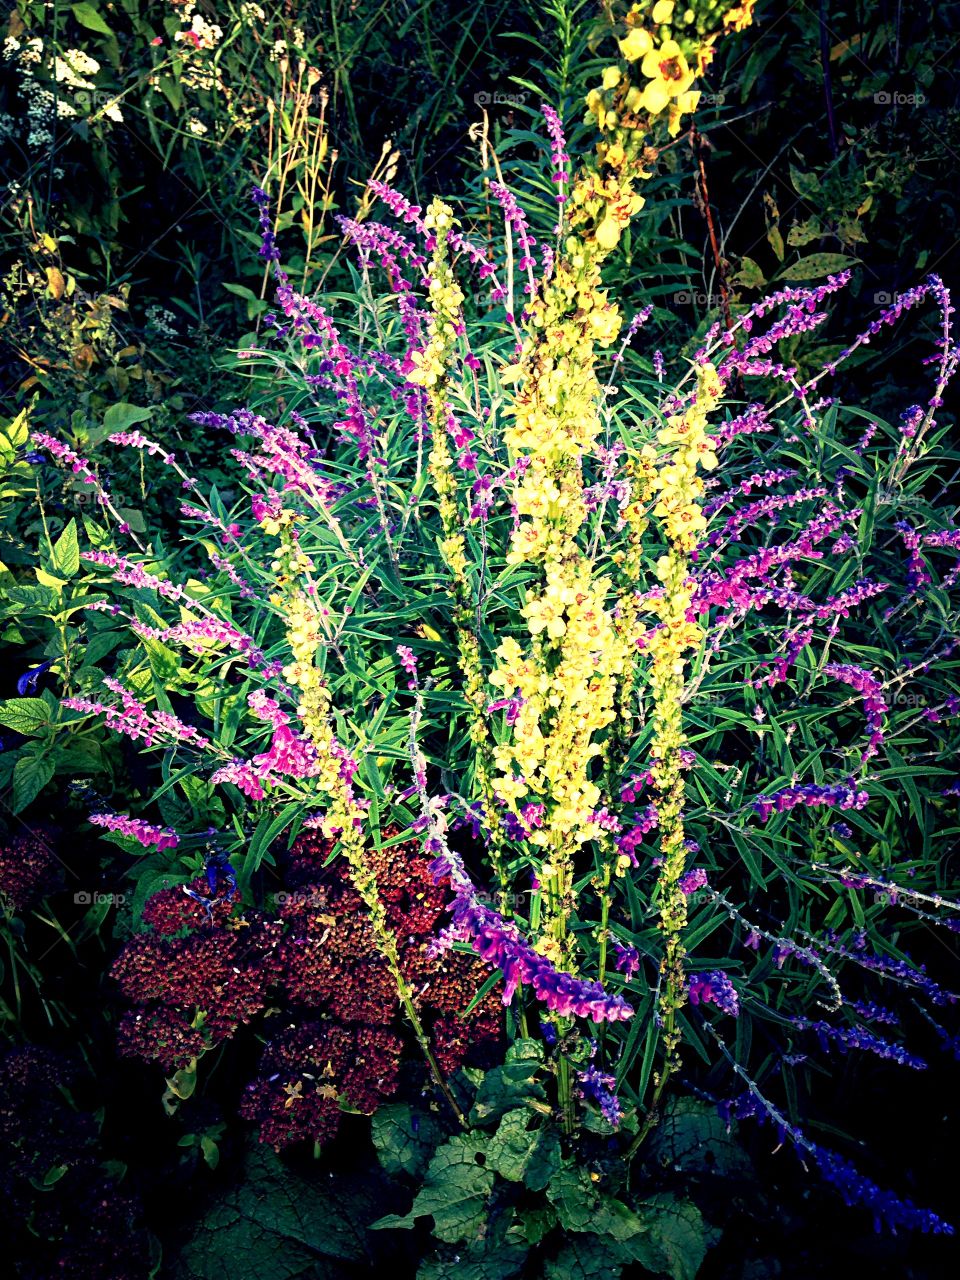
588	637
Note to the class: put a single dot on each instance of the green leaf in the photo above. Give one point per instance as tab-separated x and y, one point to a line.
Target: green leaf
267	831
87	16
66	551
814	266
510	1086
679	1233
575	1199
48	579
454	1193
24	715
211	1152
512	1146
404	1138
806	184
164	662
277	1224
488	1259
30	775
584	1258
749	275
54	1174
693	1140
122	416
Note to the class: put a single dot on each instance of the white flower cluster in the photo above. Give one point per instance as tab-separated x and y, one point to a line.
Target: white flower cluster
200	33
252	14
73	67
294	43
161	321
69	71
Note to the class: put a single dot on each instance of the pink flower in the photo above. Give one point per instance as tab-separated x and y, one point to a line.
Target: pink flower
144	833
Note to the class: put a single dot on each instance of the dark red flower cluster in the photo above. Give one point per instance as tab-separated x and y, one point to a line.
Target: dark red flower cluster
330	955
29	868
177	911
194	990
308	1068
205	968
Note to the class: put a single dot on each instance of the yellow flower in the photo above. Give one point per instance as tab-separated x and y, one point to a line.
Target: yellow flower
682	106
663	11
611	77
636	43
739	17
669	76
608	232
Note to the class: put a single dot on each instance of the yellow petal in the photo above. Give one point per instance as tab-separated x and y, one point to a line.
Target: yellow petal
655	97
608	233
636	43
611	77
663	11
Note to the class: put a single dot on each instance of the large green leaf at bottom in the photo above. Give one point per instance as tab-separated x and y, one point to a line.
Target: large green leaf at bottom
454	1193
278	1225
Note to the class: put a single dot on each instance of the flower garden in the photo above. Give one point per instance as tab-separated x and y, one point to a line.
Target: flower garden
479	773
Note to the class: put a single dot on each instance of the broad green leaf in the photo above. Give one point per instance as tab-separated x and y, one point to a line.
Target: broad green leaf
512	1146
24	715
273	1223
122	416
749	275
404	1138
88	16
66	551
677	1230
584	1258
454	1193
30	775
814	266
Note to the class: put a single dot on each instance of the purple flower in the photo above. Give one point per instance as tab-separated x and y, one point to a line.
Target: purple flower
693	880
29	678
601	1088
409	663
716	988
628	959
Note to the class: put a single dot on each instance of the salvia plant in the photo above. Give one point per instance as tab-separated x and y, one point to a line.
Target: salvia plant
658	673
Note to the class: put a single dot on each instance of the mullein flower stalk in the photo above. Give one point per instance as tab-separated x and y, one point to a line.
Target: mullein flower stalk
678	489
334	770
432	368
